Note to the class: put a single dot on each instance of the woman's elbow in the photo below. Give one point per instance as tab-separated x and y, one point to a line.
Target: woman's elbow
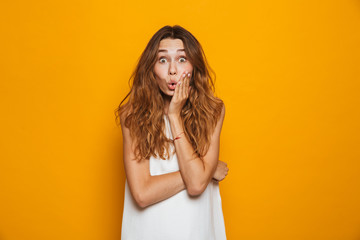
140	200
195	190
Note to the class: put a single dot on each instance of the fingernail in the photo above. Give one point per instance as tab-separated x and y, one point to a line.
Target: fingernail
184	75
188	74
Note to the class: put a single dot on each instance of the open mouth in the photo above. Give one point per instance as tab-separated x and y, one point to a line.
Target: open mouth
172	86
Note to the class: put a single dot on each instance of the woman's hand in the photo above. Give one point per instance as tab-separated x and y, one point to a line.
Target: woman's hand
221	171
180	96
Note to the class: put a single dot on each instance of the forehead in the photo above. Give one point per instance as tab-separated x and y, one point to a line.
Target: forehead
171	45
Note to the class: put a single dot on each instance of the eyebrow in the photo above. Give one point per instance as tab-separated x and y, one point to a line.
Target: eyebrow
164	50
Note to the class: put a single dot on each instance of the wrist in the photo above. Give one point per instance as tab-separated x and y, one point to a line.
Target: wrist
174	116
176	125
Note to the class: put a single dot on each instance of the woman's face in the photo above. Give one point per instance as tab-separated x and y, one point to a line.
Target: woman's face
170	64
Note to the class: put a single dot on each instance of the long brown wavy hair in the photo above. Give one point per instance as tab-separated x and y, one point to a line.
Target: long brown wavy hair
144	111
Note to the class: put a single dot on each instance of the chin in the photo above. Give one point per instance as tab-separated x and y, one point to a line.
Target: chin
168	93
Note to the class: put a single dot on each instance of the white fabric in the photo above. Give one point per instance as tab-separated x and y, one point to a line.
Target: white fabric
180	217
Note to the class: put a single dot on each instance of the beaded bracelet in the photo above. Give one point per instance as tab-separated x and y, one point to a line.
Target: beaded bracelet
177	136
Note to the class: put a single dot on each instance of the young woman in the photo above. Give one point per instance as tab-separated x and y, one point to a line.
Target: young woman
171	128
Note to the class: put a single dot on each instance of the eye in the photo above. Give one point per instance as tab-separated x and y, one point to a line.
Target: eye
183	58
162	58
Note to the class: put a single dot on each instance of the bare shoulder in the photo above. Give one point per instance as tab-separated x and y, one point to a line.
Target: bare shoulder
212	155
222	116
223	107
129	142
223	111
219	124
124	115
125	130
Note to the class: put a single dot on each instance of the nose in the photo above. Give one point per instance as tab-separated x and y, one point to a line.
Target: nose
172	69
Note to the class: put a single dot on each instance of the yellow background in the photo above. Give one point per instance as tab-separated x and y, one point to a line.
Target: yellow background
288	72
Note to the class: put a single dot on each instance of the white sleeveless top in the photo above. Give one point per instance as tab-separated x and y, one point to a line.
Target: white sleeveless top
180	217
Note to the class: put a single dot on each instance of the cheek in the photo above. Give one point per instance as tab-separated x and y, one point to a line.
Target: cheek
159	76
188	68
160	73
156	71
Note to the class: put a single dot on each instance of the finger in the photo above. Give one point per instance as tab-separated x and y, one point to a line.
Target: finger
177	88
187	85
183	83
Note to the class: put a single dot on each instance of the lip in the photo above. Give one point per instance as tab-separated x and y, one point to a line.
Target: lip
172	85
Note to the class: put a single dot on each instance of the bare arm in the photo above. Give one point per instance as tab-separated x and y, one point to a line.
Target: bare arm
196	172
147	189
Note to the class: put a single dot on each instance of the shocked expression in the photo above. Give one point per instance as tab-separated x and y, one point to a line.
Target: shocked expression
171	62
